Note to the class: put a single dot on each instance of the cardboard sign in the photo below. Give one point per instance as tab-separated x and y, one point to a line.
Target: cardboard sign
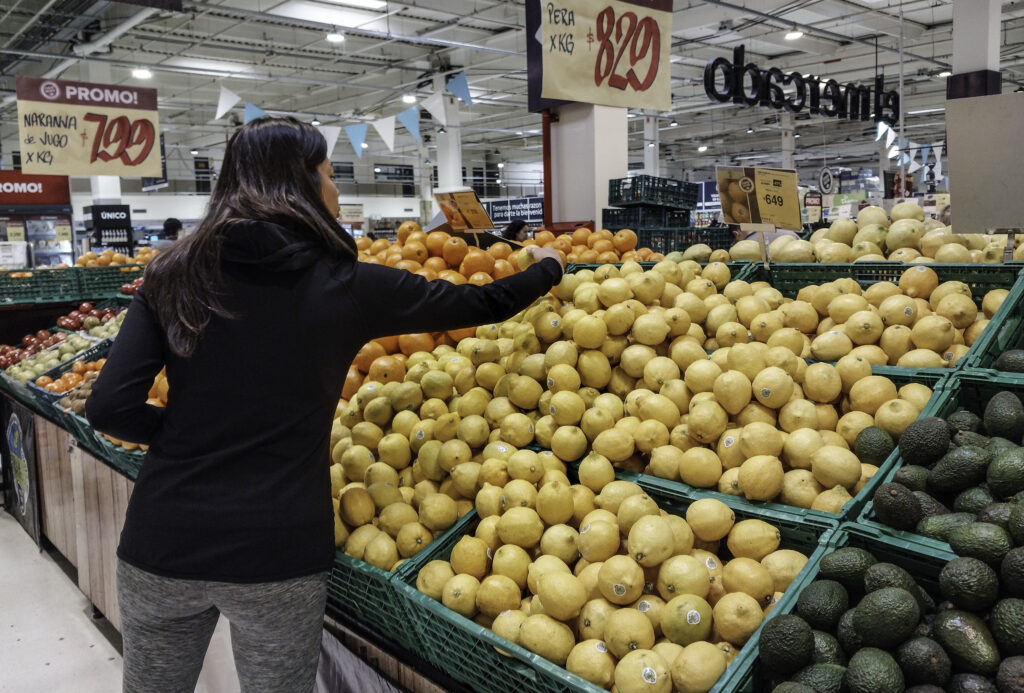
62	231
610	52
15	231
463	211
350	214
18	188
759	195
77	128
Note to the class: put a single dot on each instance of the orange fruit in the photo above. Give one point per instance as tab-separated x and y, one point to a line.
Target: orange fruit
644	253
364	242
104	260
451	276
435	264
630	255
462	333
371	260
624	240
543	237
416	237
408	265
562	243
366	355
445	339
387	369
435	242
406	228
476	260
603	245
608	256
598	235
500	250
580	235
480	278
411	343
379	245
390	344
353	379
589	255
502	268
573	256
428	274
455	249
44	380
393	258
414	251
655	257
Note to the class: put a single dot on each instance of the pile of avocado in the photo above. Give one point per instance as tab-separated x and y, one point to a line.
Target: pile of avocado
962	480
865	626
1011	360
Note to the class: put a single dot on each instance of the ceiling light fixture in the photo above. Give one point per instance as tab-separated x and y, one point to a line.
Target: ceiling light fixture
408	98
650	144
674	124
794	35
314	122
702	148
796	136
441	130
498	181
750	131
141	73
193	152
944	74
501	164
366	4
365	145
335	37
376	169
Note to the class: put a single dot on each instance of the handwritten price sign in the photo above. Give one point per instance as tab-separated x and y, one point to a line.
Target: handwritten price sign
610	52
76	128
759	195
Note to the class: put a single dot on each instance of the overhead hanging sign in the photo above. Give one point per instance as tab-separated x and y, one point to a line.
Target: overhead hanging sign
759	195
609	52
77	128
18	188
529	209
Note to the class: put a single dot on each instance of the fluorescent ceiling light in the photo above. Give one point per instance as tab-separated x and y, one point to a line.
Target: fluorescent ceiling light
365	145
210	65
314	122
501	164
794	35
650	144
631	115
497	180
702	148
335	37
365	4
193	152
141	73
408	98
673	124
927	110
376	169
335	16
945	73
796	136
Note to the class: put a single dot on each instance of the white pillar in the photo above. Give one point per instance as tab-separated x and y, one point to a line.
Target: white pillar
449	144
588	147
104	189
976	37
788	142
651	153
425	170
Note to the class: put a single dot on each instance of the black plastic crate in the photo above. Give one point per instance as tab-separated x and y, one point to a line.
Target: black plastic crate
615	218
668	240
652	190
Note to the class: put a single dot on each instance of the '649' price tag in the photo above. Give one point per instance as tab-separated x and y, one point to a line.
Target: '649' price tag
611	52
79	128
777	197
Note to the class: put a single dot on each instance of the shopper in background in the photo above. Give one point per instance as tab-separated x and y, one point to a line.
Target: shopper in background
257	316
171	228
516	231
946	215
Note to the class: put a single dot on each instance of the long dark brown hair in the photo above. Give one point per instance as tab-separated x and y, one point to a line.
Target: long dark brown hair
269	174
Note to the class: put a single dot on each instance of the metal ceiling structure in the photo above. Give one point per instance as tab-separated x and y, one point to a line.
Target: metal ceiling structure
274	54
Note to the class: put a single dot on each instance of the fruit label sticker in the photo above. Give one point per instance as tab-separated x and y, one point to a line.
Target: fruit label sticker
650	675
600	646
644	606
610	52
728	442
759	196
584	529
711	563
693	617
618	589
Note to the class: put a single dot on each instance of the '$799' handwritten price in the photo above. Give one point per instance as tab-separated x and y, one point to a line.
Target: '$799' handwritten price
622	36
114	137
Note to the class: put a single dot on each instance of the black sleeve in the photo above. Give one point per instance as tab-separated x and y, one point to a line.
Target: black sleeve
117	405
394	301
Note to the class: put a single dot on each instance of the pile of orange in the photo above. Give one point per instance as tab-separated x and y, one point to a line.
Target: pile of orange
109	257
71	379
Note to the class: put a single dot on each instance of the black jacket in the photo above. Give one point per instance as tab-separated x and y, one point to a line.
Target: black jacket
236	484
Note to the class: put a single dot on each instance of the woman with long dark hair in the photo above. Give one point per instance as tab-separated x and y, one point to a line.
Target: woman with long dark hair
256	317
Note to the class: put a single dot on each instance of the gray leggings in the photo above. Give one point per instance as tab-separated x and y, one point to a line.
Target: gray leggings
167	625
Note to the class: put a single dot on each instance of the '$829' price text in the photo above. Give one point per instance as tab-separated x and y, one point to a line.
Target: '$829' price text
622	37
115	137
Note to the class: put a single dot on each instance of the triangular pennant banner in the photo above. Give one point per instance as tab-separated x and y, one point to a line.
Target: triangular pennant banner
914	166
925	151
435	107
253	112
385	127
226	102
894	152
889	137
882	127
330	133
460	87
410	118
357	135
938	161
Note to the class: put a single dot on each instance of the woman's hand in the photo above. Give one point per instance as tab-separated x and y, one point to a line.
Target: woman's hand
539	254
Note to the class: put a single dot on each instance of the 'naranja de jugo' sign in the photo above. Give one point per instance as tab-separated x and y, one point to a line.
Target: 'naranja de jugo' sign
746	83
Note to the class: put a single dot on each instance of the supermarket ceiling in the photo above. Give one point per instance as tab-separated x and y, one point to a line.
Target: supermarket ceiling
274	54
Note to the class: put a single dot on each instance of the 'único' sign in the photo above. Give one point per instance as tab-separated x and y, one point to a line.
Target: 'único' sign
746	83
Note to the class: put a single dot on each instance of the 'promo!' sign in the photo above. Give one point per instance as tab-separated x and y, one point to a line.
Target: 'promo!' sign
78	128
17	188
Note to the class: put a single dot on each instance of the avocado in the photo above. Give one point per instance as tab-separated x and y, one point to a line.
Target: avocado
847	636
930	507
938	527
823	678
882	575
847	566
968	583
873	445
970	683
1011	360
914	477
996	514
973	500
924	441
827	649
997	444
981	540
1010	676
896	506
821	604
1004	416
886	617
958	469
793	687
1015	524
1005	473
1011	572
1006	622
874	671
963	420
786	644
964	438
924	661
967	641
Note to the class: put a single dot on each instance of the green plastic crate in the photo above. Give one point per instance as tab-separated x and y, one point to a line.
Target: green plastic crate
736	268
1005	331
39	286
106	282
467	651
900	376
969	390
46	400
924	565
360	591
82	432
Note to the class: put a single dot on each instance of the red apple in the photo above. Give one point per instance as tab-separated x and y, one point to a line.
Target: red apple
85	307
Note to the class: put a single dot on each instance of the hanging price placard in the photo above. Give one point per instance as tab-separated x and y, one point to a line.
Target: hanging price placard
76	128
611	52
63	232
15	231
759	195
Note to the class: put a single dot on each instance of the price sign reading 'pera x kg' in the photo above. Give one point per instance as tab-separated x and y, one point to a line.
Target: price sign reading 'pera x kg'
77	128
759	195
610	52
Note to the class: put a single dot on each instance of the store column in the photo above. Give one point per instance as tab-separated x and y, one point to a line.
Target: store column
588	147
105	190
788	143
652	145
976	42
449	142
